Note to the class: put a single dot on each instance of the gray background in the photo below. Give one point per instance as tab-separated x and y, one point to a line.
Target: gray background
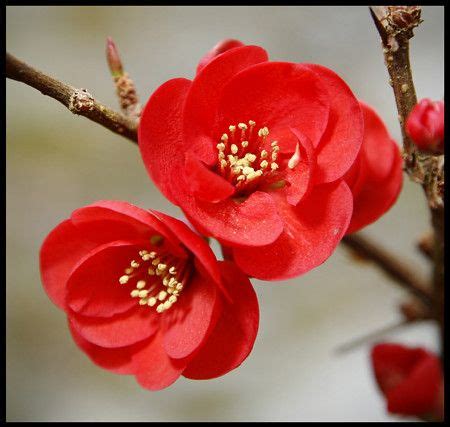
57	162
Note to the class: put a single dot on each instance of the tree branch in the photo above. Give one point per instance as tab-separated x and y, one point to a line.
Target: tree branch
395	25
78	101
396	269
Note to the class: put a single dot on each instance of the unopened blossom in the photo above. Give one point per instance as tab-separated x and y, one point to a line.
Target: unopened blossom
145	296
425	126
411	380
376	176
255	153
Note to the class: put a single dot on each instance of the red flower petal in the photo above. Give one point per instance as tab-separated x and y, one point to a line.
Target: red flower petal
218	49
201	104
312	231
205	259
59	254
253	222
204	183
109	220
342	139
376	177
120	360
156	369
277	95
186	324
120	330
159	134
93	288
418	394
235	332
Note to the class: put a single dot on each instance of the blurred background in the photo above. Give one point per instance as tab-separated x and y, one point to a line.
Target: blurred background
57	162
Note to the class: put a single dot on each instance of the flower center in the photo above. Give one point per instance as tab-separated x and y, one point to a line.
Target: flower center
158	279
245	157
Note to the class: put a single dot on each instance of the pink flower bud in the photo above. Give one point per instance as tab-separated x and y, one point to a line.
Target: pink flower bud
113	58
425	126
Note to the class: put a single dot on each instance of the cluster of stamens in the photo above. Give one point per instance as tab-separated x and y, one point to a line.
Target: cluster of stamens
157	280
244	157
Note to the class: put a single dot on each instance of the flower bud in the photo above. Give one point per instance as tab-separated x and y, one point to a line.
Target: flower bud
113	58
425	126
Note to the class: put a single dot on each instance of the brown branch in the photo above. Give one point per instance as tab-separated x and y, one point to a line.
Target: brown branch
395	268
78	101
395	25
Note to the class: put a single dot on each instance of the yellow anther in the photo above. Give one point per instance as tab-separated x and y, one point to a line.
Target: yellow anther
123	279
224	137
250	157
274	143
134	264
143	293
152	254
129	270
232	159
221	155
244	144
173	299
134	293
263	154
232	128
151	301
263	132
162	295
234	148
221	146
223	163
274	166
140	284
254	175
145	257
160	308
241	178
172	270
264	164
247	170
172	282
179	286
162	267
143	301
251	123
167	305
156	261
151	272
274	156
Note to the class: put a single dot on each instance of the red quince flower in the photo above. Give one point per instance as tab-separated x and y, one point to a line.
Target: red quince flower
376	176
411	379
254	152
425	126
144	295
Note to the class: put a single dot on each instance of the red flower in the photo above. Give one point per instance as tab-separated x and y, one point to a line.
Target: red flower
254	152
376	177
425	125
144	295
411	380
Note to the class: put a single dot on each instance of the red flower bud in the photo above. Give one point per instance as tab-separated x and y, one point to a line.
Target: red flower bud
411	379
425	126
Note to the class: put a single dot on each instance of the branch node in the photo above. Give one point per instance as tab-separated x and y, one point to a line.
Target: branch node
81	101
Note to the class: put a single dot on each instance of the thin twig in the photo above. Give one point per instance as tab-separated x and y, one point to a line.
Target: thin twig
78	101
396	269
372	336
395	25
